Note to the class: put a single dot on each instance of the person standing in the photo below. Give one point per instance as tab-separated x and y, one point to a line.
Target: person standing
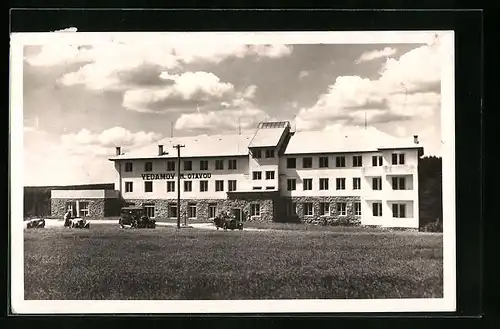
67	218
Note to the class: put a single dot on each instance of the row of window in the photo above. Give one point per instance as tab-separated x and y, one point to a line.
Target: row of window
188	186
257	154
398	209
192	210
257	175
398	183
340	161
291	163
188	165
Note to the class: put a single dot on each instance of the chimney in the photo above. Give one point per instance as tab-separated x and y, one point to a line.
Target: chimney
118	150
160	150
415	139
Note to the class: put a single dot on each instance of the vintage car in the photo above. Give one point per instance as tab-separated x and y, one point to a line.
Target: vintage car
79	222
227	221
36	223
135	217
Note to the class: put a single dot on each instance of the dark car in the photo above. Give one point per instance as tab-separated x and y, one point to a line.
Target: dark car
227	221
36	223
135	217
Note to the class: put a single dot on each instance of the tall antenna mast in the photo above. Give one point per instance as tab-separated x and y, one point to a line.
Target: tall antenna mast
365	119
239	126
171	129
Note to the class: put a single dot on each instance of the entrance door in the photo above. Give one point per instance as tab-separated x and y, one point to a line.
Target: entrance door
237	213
71	206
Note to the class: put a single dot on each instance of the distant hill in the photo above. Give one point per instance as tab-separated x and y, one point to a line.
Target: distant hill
37	198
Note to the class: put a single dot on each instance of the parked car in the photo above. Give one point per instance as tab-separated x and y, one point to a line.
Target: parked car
79	222
36	223
135	217
227	221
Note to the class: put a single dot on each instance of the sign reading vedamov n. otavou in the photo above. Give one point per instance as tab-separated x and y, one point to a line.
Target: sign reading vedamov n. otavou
173	176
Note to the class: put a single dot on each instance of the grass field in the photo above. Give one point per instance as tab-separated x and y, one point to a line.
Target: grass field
108	263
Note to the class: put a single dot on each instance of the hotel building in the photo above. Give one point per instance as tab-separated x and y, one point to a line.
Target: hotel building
276	174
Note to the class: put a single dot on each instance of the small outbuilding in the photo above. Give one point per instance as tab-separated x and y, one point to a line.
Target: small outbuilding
85	203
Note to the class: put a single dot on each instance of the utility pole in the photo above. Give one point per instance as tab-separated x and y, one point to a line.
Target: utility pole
178	147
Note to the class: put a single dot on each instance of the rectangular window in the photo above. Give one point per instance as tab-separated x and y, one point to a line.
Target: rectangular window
323	183
128	167
323	162
341	208
192	210
172	210
149	209
401	158
84	208
171	165
377	209
232	164
340	161
257	188
219	185
308	184
212	210
269	187
255	209
291	184
257	154
291	163
269	175
148	166
188	165
356	183
324	209
398	183
399	210
256	175
71	207
148	186
377	183
219	164
231	185
292	209
203	165
308	208
269	153
170	186
203	186
357	161
129	187
357	208
307	162
188	186
377	161
394	159
340	183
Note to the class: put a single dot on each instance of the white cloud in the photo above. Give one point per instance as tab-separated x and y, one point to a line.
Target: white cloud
303	74
187	90
371	55
407	89
102	144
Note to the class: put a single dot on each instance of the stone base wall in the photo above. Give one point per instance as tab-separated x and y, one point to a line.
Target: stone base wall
202	207
332	219
58	207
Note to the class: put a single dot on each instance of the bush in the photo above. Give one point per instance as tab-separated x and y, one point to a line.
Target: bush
436	226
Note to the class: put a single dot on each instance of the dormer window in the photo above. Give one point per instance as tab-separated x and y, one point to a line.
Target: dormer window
257	154
269	153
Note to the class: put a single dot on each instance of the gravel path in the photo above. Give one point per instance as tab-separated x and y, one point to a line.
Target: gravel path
204	226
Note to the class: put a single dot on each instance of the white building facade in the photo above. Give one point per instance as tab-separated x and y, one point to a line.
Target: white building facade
276	174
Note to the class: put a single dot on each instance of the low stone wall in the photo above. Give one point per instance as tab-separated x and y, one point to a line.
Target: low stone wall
202	207
58	207
333	218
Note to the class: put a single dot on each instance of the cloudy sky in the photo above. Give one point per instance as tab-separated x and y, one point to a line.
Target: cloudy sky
82	100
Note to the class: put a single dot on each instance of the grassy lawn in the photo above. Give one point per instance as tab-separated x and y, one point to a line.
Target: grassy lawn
108	263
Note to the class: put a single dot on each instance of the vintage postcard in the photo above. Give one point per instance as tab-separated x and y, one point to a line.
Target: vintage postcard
232	172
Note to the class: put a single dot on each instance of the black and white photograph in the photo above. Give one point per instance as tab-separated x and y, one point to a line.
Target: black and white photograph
233	172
